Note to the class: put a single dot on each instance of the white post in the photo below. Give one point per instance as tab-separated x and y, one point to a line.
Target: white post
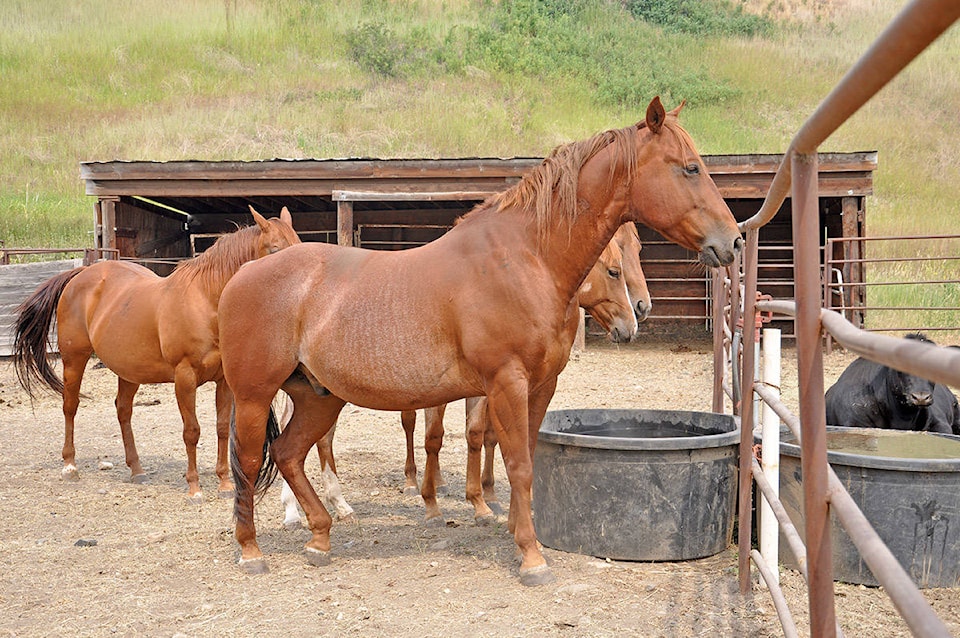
770	454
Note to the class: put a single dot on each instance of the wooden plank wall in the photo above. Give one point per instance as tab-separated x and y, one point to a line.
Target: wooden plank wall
17	282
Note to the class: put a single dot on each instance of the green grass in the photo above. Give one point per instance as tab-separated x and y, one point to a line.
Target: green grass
243	79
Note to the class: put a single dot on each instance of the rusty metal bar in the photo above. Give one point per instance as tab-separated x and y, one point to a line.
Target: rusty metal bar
744	529
941	365
779	601
919	24
813	456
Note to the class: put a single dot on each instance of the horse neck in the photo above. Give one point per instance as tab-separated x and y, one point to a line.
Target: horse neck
575	243
212	269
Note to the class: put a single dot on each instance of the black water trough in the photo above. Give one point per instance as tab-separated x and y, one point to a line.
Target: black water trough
636	484
908	486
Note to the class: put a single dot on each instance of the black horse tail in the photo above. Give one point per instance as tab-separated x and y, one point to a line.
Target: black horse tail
268	469
35	316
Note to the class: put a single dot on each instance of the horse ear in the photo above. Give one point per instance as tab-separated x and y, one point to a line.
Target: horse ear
655	115
676	112
257	217
286	217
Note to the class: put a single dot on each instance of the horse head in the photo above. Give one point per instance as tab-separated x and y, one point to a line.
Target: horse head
604	295
676	196
629	242
275	233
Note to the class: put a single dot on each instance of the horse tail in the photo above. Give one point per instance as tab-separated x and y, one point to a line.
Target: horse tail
35	316
268	469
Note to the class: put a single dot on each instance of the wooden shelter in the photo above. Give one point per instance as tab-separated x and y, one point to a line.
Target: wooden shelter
159	212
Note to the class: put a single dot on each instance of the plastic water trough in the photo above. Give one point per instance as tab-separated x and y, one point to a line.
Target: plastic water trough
645	485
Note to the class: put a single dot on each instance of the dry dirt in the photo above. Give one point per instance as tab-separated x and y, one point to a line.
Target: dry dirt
162	566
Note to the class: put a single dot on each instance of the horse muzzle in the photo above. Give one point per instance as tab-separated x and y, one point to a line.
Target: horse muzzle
715	254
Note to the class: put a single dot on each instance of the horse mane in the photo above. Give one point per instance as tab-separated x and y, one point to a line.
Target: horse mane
213	267
549	191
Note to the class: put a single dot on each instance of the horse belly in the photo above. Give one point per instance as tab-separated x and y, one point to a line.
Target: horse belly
390	376
127	342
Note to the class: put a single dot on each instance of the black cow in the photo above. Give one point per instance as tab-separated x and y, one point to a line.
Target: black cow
871	395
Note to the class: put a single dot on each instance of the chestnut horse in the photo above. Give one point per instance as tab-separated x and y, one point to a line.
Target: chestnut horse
146	329
489	308
605	293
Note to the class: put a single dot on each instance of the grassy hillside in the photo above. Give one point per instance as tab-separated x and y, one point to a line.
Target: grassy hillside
246	79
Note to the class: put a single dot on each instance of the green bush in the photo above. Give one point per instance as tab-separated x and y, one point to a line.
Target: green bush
701	17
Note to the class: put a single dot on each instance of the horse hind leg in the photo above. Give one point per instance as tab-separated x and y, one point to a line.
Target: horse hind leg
332	493
74	364
408	420
224	399
291	509
185	387
313	416
482	513
126	390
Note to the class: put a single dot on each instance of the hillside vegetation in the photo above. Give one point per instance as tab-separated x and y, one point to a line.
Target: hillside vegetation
246	79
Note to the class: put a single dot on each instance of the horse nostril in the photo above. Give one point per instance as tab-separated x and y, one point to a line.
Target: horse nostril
737	244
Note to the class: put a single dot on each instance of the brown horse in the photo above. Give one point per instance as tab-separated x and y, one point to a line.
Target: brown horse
488	309
605	293
146	329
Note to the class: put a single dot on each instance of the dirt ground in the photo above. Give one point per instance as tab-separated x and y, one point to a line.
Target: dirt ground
162	566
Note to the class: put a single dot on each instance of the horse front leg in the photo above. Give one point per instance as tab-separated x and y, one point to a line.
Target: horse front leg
408	420
185	387
332	493
476	423
126	390
224	399
486	478
313	416
432	442
508	409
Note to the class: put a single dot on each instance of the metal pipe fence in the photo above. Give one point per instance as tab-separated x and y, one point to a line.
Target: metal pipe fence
917	285
917	26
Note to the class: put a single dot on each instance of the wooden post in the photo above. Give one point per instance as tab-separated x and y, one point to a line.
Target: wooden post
107	222
345	223
855	295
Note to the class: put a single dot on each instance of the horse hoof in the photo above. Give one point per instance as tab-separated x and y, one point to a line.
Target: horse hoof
138	479
226	494
195	499
317	558
70	474
495	508
486	520
436	521
536	576
292	524
411	490
254	566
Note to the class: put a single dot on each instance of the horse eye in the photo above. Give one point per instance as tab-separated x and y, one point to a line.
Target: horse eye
614	273
692	169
